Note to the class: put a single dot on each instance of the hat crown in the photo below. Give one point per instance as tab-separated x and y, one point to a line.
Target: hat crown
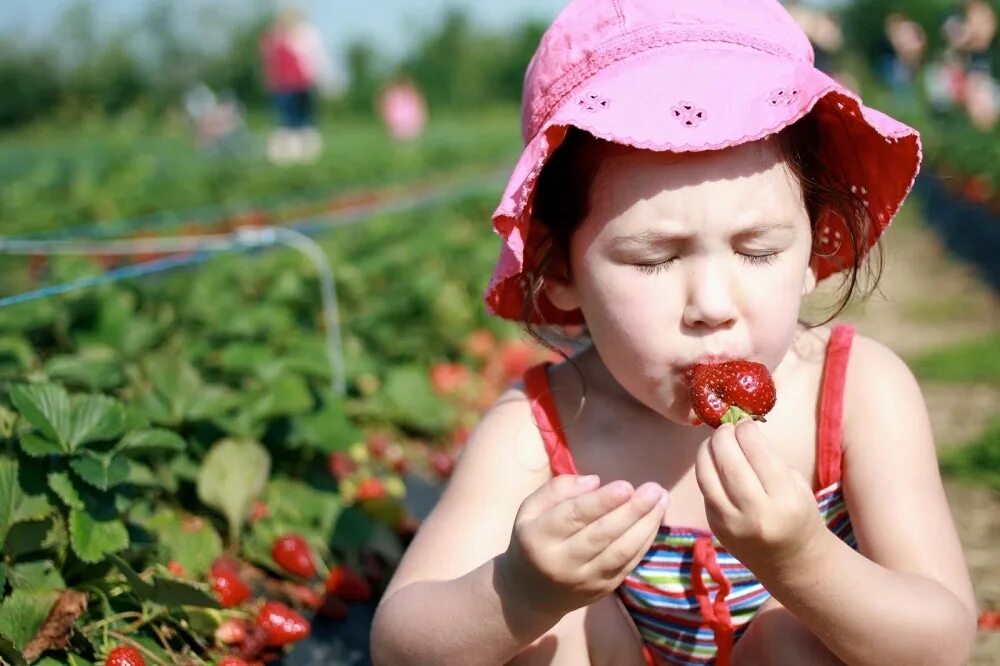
589	35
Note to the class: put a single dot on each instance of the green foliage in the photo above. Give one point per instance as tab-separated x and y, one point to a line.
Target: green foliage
973	361
977	461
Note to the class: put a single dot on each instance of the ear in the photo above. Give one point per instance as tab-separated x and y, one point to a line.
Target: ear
561	293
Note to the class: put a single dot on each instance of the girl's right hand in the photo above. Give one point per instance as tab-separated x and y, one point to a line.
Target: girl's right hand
574	542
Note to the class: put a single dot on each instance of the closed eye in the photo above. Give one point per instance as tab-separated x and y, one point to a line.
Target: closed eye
653	269
759	259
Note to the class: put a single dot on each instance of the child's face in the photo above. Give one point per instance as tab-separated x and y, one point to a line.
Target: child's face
686	258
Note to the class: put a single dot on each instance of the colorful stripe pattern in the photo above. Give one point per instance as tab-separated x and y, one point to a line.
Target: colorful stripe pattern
679	625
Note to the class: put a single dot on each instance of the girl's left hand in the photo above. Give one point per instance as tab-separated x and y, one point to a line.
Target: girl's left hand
763	511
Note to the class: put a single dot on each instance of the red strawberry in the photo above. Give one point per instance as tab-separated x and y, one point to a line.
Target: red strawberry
231	631
233	660
282	624
229	587
344	584
304	595
125	655
730	392
442	463
258	511
174	567
340	464
292	553
989	619
370	489
448	378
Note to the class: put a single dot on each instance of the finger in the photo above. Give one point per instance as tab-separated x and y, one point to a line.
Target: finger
554	491
770	470
574	514
738	478
709	482
623	553
588	542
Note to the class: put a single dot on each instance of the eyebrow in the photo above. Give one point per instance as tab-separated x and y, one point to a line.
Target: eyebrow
651	237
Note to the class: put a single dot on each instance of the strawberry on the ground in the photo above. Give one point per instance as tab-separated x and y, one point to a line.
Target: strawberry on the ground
282	624
227	583
125	655
730	392
292	553
345	584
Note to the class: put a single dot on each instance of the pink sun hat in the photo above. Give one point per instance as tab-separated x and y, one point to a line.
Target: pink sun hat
689	75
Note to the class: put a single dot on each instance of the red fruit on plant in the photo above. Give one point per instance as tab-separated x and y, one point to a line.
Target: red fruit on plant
989	619
174	567
448	378
282	624
378	444
345	584
480	344
228	586
333	609
340	464
258	511
305	596
442	463
233	660
370	489
730	392
125	655
231	631
292	553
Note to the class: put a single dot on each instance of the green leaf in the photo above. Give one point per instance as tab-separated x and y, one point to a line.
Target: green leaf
233	473
22	613
38	446
10	654
64	487
38	575
64	421
190	540
178	394
151	441
88	371
47	408
101	470
96	532
326	431
412	402
22	495
95	418
142	589
287	396
28	537
172	592
8	422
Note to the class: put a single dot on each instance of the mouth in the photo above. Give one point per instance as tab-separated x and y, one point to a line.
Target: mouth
687	370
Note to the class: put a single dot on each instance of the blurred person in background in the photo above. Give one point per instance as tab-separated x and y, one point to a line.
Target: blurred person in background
970	35
294	64
907	43
218	120
403	109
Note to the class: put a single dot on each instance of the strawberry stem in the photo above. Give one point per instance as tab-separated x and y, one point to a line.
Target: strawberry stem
734	415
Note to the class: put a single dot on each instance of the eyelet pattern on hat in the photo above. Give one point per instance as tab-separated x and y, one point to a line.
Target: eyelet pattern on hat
689	115
783	96
593	102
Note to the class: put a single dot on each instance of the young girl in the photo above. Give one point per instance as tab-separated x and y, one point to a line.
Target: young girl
688	178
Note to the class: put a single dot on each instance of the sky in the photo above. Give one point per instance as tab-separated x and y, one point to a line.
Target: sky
392	25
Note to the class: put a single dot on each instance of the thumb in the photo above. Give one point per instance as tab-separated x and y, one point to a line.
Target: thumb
552	492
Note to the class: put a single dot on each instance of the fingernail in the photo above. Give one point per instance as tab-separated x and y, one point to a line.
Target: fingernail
665	498
651	493
589	481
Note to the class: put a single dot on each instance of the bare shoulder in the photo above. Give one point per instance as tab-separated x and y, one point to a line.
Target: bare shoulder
503	462
881	394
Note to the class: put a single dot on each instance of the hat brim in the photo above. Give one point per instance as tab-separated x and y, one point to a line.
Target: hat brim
684	98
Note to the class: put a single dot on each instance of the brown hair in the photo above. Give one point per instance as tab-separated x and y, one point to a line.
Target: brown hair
561	203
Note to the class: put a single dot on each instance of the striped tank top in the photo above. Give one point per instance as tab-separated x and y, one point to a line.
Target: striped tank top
690	599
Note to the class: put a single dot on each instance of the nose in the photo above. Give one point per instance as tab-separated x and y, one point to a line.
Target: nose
711	302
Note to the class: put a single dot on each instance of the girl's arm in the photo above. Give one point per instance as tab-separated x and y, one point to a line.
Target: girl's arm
443	604
509	554
906	597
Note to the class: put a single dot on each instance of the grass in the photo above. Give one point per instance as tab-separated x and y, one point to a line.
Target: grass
975	361
978	461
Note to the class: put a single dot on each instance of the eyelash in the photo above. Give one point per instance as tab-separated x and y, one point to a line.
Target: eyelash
752	259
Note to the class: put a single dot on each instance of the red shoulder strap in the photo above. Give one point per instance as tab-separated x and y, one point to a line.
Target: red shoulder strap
830	428
543	408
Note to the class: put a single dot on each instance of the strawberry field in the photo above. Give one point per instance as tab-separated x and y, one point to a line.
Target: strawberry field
180	476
